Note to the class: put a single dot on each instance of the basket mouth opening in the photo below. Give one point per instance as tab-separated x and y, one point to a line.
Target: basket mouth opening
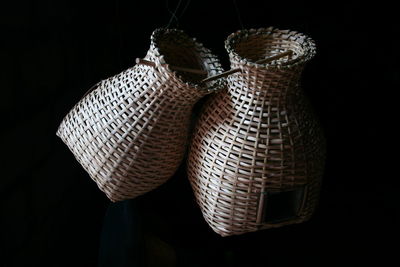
183	54
250	46
178	49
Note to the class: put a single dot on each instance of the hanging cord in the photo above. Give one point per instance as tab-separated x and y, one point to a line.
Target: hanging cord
119	32
238	14
184	9
174	14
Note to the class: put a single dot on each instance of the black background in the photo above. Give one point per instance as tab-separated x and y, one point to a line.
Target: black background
52	213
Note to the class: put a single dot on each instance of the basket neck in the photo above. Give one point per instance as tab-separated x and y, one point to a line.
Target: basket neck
248	49
265	83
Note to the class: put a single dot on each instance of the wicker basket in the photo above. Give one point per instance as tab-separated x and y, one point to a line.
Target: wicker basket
129	132
257	154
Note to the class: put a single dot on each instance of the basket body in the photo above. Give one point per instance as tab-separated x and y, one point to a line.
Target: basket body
257	154
130	132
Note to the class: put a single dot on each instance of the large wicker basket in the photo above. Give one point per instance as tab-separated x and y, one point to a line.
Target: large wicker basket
257	154
130	131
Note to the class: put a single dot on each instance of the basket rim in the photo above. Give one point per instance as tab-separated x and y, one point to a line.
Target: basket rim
201	50
307	44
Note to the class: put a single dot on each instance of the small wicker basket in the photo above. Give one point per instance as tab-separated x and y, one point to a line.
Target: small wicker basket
257	155
129	132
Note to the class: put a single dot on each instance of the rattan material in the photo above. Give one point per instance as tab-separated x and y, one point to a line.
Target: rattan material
130	131
259	138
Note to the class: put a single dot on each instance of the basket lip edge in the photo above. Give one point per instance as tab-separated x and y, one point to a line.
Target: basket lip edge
308	45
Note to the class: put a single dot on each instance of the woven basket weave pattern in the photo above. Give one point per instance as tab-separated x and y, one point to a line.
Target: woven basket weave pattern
129	133
258	136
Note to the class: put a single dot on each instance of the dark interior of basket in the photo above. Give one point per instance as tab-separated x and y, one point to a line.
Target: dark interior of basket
261	46
182	52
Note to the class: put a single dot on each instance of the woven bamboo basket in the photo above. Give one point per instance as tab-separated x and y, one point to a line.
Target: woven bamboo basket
129	132
257	154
